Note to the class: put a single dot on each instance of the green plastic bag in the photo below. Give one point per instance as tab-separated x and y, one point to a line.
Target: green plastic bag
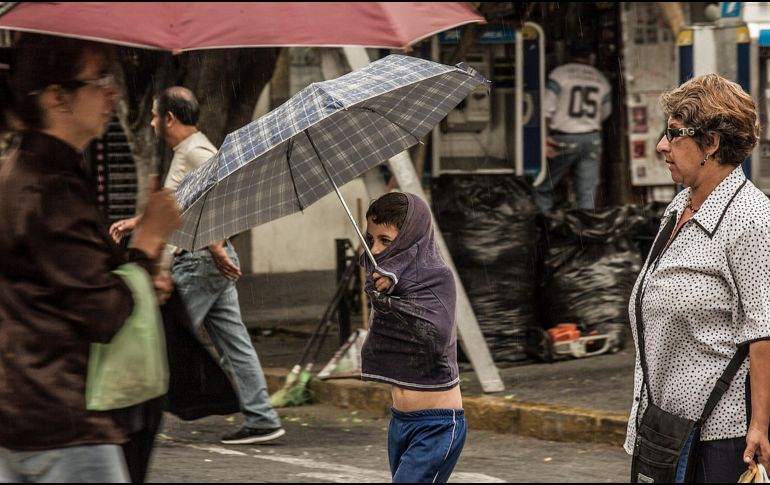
133	367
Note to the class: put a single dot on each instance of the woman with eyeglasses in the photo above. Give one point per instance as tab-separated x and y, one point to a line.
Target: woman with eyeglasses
702	299
57	290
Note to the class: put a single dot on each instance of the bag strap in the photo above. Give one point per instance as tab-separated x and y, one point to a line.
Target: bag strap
657	248
723	383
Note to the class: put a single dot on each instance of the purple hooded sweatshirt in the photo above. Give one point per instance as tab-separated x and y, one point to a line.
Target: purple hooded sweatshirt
412	340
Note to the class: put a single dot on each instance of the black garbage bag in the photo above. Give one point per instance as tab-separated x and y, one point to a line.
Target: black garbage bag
590	266
198	387
489	225
503	321
644	231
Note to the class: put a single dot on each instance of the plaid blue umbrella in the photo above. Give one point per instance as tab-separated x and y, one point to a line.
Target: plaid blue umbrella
321	138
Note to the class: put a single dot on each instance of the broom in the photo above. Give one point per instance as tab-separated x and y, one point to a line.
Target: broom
294	390
298	394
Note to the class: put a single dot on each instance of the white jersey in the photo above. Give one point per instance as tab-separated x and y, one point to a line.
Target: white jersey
577	99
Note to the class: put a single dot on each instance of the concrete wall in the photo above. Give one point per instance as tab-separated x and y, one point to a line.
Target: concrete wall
305	241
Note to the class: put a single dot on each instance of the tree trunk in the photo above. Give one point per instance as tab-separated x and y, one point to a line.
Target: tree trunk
227	83
279	83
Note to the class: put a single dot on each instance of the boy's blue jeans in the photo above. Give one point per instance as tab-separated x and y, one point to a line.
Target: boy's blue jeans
424	446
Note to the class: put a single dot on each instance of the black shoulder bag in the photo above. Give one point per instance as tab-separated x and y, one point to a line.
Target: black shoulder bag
662	437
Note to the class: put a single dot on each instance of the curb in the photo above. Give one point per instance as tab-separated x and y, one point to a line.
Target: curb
536	420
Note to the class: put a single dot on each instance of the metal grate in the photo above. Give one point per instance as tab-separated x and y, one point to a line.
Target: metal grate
114	172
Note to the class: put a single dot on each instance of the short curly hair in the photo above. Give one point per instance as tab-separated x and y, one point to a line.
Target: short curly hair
389	210
716	106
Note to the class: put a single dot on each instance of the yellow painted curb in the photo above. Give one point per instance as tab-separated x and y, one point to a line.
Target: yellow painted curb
537	420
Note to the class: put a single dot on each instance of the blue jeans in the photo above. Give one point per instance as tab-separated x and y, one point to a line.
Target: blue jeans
88	464
424	446
720	461
581	154
212	301
684	458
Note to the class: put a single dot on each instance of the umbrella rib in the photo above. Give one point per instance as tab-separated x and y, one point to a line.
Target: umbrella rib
342	199
198	223
371	110
289	146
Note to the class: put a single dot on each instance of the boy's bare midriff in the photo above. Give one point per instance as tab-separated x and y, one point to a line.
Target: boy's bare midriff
408	401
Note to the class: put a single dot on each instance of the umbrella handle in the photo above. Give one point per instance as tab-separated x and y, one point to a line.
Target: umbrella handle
390	275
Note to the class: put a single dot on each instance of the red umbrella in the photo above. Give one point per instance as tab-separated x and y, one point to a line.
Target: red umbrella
184	26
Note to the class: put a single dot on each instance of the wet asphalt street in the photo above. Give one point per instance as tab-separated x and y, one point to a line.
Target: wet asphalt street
327	444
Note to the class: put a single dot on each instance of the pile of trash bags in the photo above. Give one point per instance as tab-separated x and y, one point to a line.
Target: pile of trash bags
489	224
526	272
590	266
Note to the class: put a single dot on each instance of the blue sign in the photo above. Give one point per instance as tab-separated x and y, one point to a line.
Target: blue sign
731	9
492	35
764	38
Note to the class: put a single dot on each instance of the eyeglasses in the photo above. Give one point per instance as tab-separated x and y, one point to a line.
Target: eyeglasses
672	133
106	81
103	82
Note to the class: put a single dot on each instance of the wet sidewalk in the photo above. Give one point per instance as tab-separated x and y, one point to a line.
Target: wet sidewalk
582	400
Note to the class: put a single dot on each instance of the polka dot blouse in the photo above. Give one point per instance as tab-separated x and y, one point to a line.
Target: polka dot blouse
708	293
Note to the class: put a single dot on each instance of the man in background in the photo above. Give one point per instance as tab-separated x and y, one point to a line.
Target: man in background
206	278
577	101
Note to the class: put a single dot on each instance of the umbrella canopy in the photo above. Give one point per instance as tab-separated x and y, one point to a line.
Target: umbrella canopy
183	26
322	137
